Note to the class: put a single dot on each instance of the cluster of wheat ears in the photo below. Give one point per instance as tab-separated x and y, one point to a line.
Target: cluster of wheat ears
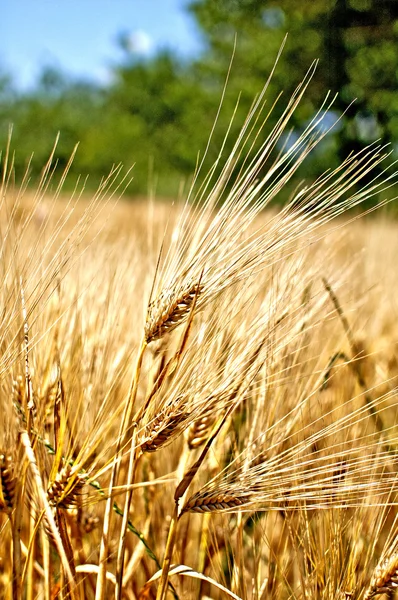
200	401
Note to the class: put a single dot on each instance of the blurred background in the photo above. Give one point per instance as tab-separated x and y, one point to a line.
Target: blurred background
140	81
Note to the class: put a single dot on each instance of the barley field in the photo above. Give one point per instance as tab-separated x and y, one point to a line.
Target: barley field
199	400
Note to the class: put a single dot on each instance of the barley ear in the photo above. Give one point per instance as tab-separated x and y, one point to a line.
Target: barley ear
199	431
384	580
66	488
7	483
213	501
162	430
170	309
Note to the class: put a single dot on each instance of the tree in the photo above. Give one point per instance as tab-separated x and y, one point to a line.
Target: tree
355	41
158	112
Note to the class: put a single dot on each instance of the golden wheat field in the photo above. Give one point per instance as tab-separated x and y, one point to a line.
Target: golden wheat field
199	400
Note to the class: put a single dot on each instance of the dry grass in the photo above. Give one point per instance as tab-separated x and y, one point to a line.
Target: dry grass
200	401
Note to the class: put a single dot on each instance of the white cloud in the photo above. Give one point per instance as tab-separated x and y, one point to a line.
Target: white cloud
139	42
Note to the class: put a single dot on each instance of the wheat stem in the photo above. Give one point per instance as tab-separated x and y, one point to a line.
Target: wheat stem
16	523
29	565
122	540
355	355
128	411
162	589
24	437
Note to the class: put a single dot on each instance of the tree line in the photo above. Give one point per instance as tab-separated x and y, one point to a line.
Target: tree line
157	113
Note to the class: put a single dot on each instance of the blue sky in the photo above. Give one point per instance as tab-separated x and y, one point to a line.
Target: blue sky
79	36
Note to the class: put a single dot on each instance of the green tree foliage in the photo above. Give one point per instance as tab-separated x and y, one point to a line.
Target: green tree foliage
150	120
356	42
55	105
157	113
